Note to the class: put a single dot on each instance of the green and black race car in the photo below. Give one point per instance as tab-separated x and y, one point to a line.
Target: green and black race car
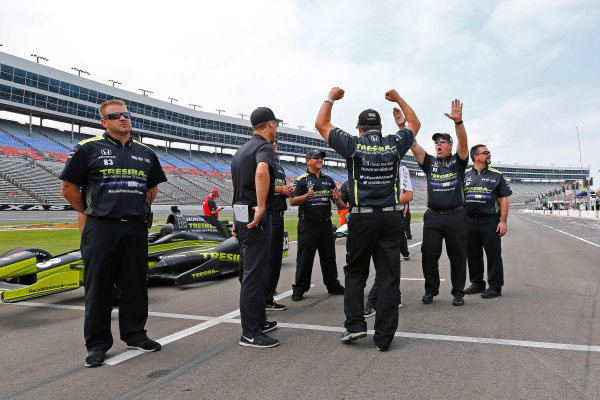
187	249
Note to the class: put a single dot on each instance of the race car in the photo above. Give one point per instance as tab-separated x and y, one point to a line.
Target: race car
187	249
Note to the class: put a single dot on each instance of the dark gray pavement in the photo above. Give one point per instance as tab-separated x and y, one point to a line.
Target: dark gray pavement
540	340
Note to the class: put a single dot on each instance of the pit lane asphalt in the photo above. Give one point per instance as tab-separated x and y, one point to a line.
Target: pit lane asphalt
551	297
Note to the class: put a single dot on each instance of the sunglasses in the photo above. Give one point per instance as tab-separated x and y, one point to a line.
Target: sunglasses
275	122
436	141
315	158
118	115
483	152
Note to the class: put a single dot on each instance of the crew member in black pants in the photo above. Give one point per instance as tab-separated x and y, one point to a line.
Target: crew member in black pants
407	231
445	218
486	202
313	194
253	180
282	191
375	223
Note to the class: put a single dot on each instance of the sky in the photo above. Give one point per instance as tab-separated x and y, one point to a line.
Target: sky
527	71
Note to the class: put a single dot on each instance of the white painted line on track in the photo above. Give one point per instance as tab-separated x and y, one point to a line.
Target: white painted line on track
563	232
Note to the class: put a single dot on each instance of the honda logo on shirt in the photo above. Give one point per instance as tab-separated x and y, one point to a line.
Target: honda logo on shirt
105	152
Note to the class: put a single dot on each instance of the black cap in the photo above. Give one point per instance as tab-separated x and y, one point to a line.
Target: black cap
444	135
369	118
314	153
262	114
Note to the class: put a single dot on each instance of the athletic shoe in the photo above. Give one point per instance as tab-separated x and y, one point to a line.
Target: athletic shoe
261	341
336	288
400	305
275	307
297	296
368	312
147	346
349	336
458	301
406	258
409	237
475	288
428	296
490	293
269	326
95	358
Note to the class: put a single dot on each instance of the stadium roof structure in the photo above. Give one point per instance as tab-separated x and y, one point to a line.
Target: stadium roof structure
38	90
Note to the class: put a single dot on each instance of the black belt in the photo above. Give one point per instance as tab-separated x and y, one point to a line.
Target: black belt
366	210
450	210
316	220
128	219
280	213
482	215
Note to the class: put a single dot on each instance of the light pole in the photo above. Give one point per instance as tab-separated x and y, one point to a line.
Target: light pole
37	58
145	91
172	99
80	71
195	105
114	82
243	115
300	127
219	110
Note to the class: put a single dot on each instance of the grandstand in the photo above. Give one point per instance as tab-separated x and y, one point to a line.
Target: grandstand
32	155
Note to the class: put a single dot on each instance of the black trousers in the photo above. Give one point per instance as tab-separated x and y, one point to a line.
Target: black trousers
373	235
114	251
407	224
255	246
452	228
313	236
483	236
372	296
275	254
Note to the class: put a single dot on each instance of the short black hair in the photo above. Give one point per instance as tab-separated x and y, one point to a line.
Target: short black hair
474	150
366	128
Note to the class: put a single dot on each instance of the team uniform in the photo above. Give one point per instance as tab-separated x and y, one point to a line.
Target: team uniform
114	181
315	232
255	242
445	219
405	185
482	192
374	227
278	208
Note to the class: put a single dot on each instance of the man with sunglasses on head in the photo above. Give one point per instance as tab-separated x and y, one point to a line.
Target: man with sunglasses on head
445	218
375	223
112	180
253	183
486	202
313	195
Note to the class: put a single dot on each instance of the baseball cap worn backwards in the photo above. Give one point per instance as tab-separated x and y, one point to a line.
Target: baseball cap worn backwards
443	135
262	114
315	153
369	118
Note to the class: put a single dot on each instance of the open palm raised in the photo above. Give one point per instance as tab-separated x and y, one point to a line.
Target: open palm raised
456	111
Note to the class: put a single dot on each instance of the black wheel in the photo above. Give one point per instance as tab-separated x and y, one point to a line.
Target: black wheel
40	254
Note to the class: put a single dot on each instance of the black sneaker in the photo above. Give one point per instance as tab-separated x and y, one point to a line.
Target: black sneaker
368	312
406	257
95	358
275	307
458	301
269	326
260	341
349	336
336	288
297	296
147	346
475	288
428	296
490	293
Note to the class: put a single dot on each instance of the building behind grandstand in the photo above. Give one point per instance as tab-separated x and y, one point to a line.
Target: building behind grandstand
46	112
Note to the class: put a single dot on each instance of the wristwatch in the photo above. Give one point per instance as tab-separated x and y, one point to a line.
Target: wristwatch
328	100
503	220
